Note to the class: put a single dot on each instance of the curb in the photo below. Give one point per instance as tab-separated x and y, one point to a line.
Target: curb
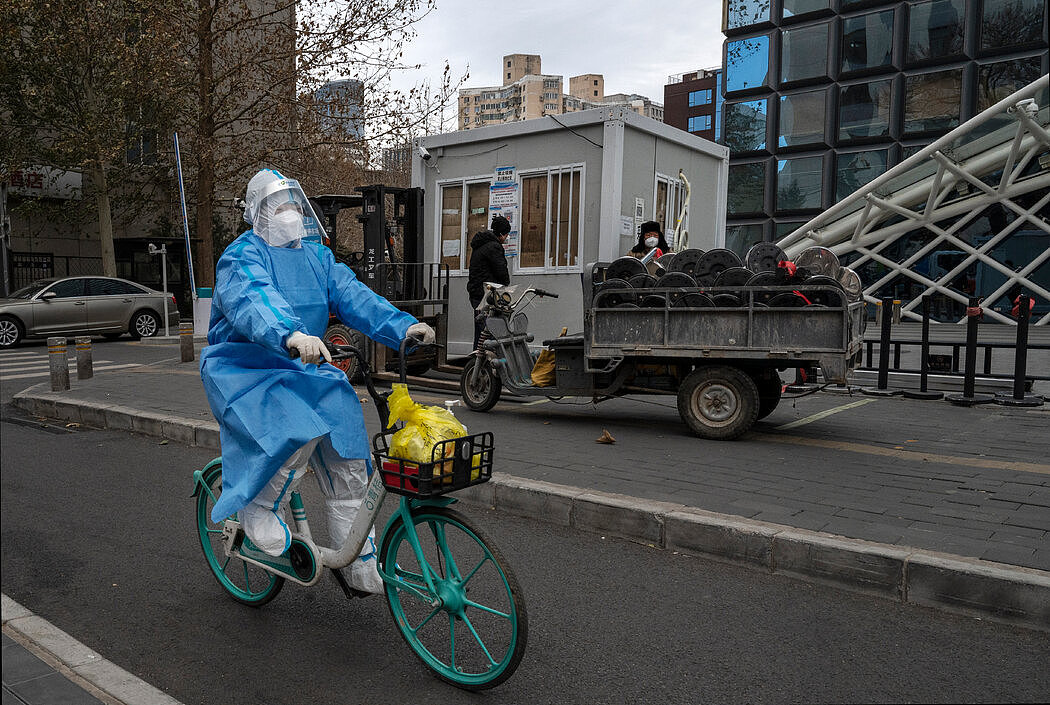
970	586
80	664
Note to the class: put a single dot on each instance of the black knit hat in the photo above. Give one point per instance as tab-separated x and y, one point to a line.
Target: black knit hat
500	225
650	226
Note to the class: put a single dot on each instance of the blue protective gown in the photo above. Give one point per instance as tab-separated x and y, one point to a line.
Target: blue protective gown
267	404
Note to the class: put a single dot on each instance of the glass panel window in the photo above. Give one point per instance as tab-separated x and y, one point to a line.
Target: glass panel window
701	97
999	80
111	287
70	288
740	238
798	183
1006	23
794	8
854	170
452	226
477	214
532	247
464	211
935	30
745	125
744	13
747	63
550	219
864	110
782	230
718	107
698	123
670	194
804	53
931	101
867	42
802	118
746	186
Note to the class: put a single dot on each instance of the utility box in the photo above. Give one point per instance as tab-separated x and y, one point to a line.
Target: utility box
575	187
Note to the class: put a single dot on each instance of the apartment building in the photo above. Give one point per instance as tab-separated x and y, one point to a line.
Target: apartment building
529	93
693	101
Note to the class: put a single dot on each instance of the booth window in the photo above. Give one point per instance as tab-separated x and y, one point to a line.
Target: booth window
549	238
670	193
464	211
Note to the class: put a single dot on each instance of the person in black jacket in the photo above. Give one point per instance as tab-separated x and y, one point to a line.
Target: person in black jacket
488	263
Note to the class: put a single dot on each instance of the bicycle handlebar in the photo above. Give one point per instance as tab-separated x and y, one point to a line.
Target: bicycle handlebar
344	352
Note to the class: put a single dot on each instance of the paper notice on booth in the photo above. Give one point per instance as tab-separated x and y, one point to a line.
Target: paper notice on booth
450	248
626	225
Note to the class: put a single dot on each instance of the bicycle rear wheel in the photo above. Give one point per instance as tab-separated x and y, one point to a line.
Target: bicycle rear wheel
246	583
474	636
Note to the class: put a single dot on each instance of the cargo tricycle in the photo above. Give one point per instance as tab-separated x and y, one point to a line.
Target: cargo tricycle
718	349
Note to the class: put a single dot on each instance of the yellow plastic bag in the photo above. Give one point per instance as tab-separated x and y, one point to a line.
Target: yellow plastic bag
543	374
425	427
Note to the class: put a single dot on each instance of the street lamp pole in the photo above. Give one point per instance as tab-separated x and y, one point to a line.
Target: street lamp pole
163	252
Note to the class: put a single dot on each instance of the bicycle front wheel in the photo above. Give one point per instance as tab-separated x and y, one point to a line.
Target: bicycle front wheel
244	582
472	629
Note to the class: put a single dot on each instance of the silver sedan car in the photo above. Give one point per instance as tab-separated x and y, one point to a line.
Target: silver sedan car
68	306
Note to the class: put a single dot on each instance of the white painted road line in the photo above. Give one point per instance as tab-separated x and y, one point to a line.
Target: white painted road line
823	414
95	368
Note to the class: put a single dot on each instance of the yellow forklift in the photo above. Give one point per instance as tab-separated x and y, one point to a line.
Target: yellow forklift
391	263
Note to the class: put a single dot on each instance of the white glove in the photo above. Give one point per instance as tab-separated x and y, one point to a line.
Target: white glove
311	348
421	331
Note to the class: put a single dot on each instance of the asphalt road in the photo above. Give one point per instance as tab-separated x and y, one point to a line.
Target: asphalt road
98	538
27	364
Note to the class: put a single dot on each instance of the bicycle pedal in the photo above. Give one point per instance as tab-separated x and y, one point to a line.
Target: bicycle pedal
348	590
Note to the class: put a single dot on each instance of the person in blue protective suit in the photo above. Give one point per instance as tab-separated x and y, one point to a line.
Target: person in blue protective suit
274	291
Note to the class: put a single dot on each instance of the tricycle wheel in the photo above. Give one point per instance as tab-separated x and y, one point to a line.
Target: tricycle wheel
481	391
770	387
718	402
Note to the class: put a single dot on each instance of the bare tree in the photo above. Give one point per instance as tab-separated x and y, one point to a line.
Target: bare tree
83	90
259	67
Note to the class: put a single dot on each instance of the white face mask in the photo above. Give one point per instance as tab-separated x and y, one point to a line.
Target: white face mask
651	241
286	227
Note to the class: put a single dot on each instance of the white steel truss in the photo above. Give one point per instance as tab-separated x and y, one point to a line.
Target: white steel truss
997	157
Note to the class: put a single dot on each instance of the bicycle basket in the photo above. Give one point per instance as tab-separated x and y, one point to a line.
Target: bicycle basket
457	463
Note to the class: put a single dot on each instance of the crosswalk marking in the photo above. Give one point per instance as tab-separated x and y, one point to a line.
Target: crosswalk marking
35	363
94	367
20	366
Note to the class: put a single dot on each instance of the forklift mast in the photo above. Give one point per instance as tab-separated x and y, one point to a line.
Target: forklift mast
392	264
381	229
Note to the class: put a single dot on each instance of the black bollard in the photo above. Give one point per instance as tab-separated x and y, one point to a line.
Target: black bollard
886	318
1019	398
968	398
924	363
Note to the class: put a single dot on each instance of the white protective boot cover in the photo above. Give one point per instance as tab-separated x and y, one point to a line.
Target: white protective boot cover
343	483
263	518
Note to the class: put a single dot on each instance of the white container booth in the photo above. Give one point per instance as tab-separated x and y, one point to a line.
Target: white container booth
575	187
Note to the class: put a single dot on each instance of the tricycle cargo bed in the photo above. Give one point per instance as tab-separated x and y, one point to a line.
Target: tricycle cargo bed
739	330
828	335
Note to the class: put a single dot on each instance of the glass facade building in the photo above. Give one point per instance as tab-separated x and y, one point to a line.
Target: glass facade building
822	96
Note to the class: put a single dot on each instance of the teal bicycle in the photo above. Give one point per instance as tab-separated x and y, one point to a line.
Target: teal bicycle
450	591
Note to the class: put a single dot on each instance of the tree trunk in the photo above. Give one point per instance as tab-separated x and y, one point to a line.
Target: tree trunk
205	153
97	178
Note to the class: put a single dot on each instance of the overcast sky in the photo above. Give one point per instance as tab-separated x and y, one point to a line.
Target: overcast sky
634	44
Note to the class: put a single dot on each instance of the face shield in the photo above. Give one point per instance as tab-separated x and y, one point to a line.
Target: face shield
278	210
